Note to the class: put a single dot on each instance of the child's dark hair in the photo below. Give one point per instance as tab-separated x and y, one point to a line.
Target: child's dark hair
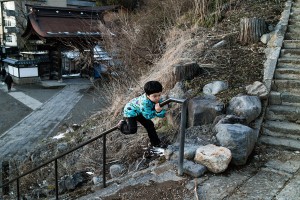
152	87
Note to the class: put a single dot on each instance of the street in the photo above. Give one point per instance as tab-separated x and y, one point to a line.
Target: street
42	111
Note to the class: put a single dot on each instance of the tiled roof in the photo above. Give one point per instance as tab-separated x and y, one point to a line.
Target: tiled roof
50	22
25	62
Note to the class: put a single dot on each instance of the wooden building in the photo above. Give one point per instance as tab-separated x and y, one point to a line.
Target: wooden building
59	29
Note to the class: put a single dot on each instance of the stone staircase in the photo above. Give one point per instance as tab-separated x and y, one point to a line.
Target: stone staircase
282	118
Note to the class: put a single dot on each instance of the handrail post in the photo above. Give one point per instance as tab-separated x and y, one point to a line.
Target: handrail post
104	161
5	177
182	137
18	189
182	128
56	179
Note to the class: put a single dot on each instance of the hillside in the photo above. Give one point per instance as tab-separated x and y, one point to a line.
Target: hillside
238	64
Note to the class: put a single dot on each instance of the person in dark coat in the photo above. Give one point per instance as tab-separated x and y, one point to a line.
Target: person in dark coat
9	81
3	73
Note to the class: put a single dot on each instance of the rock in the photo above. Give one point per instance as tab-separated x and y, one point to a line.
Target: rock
215	87
68	183
215	158
240	139
199	135
203	110
173	116
231	119
220	44
116	170
62	147
248	107
193	169
177	91
257	89
265	38
97	180
172	152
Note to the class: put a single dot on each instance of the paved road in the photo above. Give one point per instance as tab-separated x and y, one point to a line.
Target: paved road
40	112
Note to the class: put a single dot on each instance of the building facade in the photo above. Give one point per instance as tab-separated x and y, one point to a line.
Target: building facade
14	18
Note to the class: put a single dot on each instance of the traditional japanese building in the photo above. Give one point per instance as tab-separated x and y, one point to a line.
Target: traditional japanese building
58	29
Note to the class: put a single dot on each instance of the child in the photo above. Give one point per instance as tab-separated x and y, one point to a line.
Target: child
143	109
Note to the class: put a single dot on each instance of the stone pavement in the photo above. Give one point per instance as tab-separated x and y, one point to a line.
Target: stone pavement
44	118
277	178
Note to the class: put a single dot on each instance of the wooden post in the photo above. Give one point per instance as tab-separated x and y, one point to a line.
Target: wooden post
251	29
59	64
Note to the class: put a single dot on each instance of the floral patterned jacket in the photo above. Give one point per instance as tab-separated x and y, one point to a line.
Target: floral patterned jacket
142	105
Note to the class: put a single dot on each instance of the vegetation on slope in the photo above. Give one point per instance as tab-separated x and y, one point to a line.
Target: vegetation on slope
150	41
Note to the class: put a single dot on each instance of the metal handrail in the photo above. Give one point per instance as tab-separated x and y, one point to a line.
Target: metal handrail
181	150
63	154
182	129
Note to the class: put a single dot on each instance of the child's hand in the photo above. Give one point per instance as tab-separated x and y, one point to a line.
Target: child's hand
158	108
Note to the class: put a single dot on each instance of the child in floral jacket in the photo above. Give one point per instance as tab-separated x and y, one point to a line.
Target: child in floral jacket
142	109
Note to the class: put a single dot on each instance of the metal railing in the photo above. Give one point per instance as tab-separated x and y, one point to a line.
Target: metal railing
55	159
182	129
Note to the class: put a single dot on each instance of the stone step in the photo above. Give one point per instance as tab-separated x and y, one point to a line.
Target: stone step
295	5
293	28
291	44
290	53
293	22
281	142
284	98
292	36
282	129
288	62
286	86
295	10
288	73
283	113
295	16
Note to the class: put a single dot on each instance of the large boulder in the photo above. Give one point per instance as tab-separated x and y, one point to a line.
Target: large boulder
240	139
248	107
215	158
203	110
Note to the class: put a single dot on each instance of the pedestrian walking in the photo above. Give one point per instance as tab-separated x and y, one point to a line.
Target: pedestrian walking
3	73
9	81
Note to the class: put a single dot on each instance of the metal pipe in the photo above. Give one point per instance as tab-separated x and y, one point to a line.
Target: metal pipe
56	179
104	161
63	154
18	189
182	137
171	100
182	129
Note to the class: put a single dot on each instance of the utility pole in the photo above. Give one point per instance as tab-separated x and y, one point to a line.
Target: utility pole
2	49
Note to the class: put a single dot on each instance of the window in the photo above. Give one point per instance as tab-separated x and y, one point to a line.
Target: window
8	38
7	23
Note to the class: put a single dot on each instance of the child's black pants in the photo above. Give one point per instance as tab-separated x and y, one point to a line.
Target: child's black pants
131	127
